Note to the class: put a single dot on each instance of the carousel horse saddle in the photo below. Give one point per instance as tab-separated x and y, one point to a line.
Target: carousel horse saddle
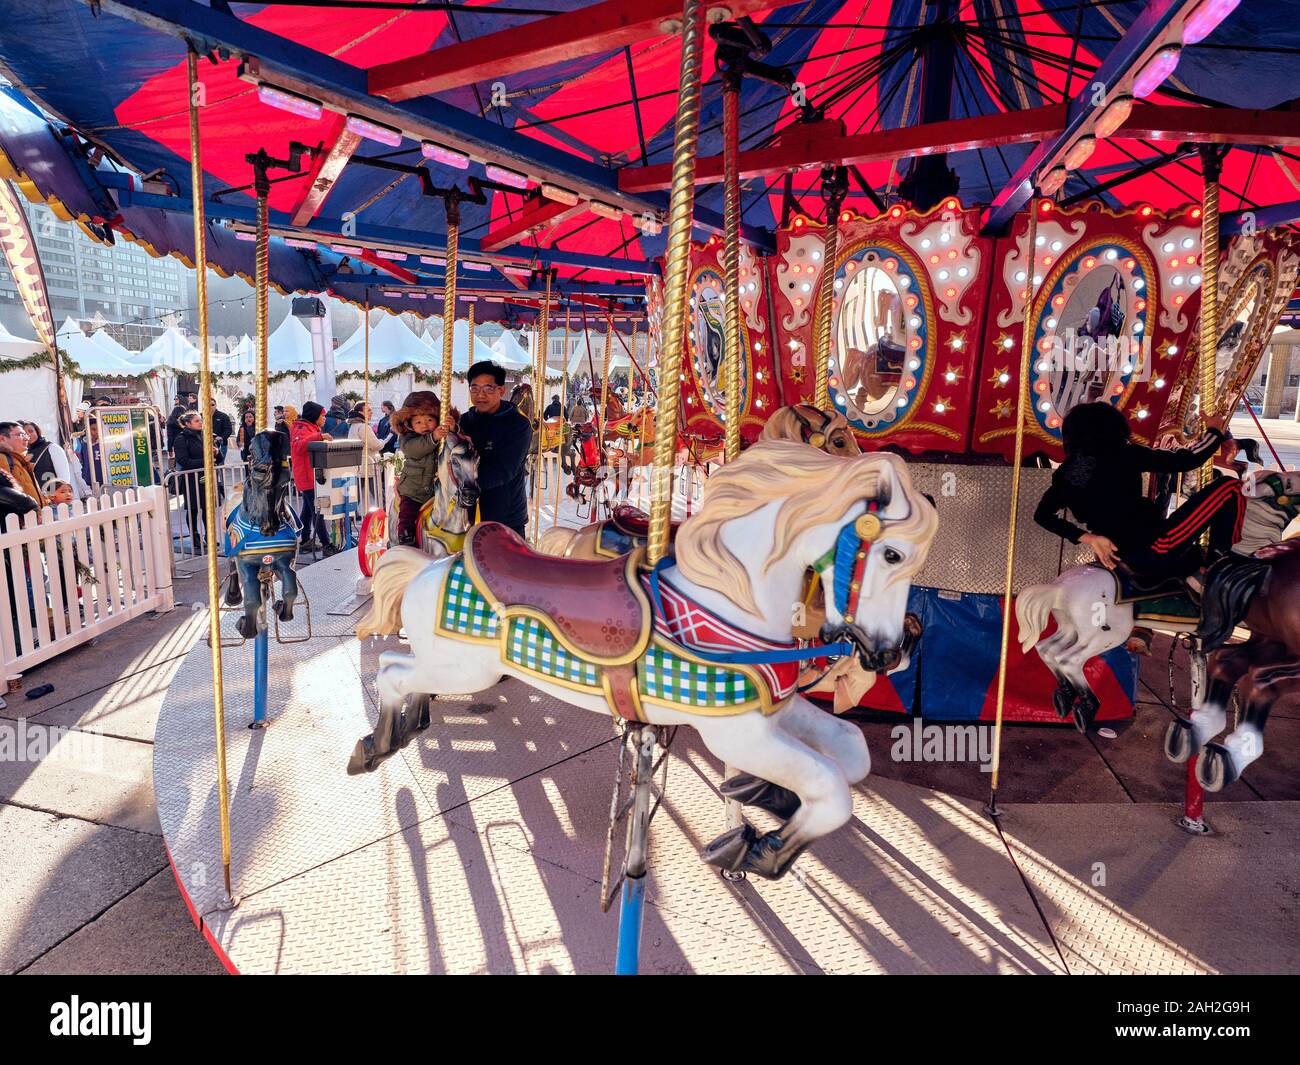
598	608
1131	587
635	522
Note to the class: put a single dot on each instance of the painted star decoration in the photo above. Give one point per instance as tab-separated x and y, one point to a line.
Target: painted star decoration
1000	377
942	405
1001	409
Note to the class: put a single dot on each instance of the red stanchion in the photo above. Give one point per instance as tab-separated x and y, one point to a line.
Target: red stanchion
1193	802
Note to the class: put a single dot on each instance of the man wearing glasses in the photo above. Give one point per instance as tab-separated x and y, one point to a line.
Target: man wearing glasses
501	435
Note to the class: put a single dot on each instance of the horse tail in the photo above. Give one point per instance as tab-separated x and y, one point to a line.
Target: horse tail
556	541
394	571
1033	610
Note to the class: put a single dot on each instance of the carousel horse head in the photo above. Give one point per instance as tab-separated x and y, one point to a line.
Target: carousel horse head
456	492
858	522
267	484
826	431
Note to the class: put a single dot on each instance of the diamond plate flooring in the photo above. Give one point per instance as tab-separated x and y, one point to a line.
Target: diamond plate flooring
478	849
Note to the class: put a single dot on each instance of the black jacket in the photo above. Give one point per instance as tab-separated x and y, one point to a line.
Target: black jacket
189	450
501	440
1104	491
384	431
222	427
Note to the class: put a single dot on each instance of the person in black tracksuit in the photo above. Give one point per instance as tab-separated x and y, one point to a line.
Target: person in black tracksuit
501	436
1100	484
189	456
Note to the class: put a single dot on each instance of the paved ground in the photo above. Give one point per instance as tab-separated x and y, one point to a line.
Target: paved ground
85	886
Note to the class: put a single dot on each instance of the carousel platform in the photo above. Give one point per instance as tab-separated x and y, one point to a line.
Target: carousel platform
479	849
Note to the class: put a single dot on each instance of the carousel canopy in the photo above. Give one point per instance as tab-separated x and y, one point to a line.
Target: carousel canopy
920	100
392	344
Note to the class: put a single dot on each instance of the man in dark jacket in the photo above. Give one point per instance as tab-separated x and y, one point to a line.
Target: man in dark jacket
222	431
189	456
501	436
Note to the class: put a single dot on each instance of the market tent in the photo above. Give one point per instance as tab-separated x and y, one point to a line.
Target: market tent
460	355
90	357
171	351
392	343
12	347
288	349
102	338
508	352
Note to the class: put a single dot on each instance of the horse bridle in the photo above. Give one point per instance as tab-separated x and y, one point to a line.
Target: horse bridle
815	436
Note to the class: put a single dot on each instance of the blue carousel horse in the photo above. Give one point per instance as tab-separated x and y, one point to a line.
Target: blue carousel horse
262	533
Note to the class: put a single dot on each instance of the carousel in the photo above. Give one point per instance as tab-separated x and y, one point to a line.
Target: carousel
857	278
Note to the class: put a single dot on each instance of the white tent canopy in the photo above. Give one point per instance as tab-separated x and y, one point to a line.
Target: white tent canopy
392	343
288	349
578	361
172	351
12	347
90	357
508	352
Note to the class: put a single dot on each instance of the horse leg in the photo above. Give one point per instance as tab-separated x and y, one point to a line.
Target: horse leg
759	747
248	625
839	740
1223	670
400	717
288	587
1221	764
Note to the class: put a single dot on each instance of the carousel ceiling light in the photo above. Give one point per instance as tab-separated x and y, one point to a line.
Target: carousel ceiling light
505	176
418	295
345	249
433	260
1114	116
1206	18
1156	70
559	194
392	256
295	242
243	234
1080	152
375	131
1051	184
605	210
470	264
289	101
440	153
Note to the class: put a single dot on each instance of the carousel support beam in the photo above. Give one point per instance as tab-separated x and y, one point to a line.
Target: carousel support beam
1277	214
686	135
535	217
588	31
325	171
1211	125
209	469
1148	32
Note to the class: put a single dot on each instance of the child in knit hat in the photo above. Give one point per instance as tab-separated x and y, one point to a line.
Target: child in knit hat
419	435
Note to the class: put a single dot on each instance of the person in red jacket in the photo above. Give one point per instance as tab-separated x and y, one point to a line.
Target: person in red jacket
306	429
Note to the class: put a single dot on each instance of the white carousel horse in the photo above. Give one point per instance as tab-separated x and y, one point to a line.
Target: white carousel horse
444	518
728	591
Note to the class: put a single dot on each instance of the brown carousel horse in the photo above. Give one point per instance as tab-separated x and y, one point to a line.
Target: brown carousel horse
627	526
1266	585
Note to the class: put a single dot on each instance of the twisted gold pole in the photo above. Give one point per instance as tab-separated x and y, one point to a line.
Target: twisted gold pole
1211	164
564	402
733	350
833	190
262	282
469	317
366	487
209	465
681	208
604	376
1022	407
539	382
449	310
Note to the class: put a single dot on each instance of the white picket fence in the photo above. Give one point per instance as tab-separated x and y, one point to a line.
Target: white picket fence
124	539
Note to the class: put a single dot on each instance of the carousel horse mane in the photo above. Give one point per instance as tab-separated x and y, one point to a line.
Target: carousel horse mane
826	487
267	484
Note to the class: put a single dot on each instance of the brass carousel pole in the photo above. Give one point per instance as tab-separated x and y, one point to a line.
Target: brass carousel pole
835	186
1211	166
365	417
209	465
469	318
564	403
732	348
604	374
681	208
1022	407
261	284
449	305
539	380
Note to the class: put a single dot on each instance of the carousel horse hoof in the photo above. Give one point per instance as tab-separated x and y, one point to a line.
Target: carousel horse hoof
1214	769
284	610
234	593
1084	710
1178	741
363	758
246	627
742	850
1063	702
754	791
